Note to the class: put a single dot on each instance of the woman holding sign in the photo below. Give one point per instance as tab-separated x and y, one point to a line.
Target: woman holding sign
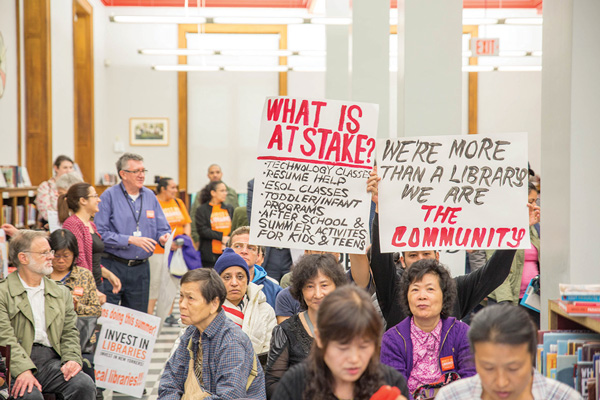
213	222
428	344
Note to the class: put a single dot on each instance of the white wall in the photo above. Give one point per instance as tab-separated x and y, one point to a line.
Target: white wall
8	102
61	43
511	102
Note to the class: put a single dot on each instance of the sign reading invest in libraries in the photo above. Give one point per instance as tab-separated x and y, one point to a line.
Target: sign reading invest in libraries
124	349
453	192
314	158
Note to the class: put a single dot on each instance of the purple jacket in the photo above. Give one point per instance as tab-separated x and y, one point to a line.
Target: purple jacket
397	348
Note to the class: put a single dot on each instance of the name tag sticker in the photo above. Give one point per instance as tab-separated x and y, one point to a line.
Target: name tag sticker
149	213
78	291
447	363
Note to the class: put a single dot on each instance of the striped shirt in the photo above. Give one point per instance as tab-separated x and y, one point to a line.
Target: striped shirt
226	363
542	389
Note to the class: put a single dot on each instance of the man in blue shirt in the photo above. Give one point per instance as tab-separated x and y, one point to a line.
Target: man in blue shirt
131	223
214	357
239	242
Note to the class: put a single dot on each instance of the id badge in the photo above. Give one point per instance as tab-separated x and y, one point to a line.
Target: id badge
137	233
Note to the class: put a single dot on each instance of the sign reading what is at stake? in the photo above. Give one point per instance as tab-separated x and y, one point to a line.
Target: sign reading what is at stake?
453	192
314	158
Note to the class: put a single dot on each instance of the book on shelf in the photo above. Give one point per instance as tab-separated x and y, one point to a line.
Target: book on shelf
581	298
20	222
14	176
7	211
584	371
586	310
31	214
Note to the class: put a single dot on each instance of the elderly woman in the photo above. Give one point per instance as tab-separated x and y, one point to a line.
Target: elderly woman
428	343
504	344
314	277
47	193
344	364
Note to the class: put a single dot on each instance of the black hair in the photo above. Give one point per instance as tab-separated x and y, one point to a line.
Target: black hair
308	267
205	195
211	285
161	183
63	239
416	272
504	324
531	187
345	314
60	159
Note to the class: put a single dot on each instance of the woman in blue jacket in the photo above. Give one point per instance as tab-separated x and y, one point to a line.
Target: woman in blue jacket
428	343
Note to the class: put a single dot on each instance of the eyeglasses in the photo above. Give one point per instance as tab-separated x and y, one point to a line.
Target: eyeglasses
239	246
137	171
92	195
63	257
46	254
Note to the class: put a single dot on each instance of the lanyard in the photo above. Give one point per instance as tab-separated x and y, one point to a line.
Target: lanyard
309	323
64	279
136	219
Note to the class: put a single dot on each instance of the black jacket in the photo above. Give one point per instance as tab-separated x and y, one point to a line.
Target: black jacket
206	234
472	288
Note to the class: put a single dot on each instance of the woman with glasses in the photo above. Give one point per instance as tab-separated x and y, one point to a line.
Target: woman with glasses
75	212
213	222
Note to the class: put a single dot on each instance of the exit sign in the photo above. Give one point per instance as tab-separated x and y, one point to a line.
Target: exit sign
484	47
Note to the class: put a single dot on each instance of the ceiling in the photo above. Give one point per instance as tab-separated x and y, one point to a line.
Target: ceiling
307	4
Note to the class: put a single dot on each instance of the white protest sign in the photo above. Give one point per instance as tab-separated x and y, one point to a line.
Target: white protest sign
124	349
3	254
453	192
314	158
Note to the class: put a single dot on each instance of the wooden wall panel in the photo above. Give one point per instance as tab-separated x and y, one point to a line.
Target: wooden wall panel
38	90
83	87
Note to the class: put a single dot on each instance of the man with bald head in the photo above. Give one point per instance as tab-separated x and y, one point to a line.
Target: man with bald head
215	174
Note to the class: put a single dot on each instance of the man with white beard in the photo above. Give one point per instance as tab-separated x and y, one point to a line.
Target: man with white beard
38	321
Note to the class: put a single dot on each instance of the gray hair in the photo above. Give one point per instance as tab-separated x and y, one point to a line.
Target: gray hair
122	161
22	243
65	181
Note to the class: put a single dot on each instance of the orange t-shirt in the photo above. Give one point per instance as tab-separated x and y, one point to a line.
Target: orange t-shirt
177	216
220	221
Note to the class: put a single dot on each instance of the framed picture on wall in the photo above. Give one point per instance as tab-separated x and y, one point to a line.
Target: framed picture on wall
149	131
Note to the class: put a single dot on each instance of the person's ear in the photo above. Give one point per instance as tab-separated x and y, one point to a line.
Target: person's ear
23	258
402	262
318	339
214	305
437	256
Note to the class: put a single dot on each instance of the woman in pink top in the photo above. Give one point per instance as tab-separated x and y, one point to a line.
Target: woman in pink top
75	211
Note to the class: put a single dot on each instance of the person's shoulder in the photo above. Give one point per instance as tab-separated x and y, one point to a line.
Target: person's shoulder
462	389
390	375
551	389
82	271
55	289
296	373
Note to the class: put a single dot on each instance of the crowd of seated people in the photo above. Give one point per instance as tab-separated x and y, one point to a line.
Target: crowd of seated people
374	332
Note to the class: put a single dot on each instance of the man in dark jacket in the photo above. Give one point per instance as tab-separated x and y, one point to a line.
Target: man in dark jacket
239	242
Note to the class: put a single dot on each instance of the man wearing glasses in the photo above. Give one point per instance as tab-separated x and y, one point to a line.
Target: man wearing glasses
38	321
239	242
131	223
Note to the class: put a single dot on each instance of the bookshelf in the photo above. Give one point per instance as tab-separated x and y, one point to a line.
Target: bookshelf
559	319
18	199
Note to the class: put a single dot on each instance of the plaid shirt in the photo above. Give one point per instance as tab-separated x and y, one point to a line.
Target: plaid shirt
542	389
226	363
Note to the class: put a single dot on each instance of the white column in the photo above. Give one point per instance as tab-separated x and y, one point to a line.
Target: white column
337	75
570	142
371	57
429	67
